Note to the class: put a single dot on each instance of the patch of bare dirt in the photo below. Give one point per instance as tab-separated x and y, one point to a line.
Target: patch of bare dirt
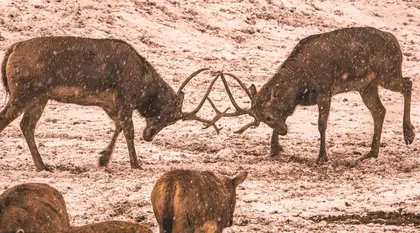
289	193
377	217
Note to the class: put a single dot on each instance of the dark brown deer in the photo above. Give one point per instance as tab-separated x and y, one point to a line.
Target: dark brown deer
107	73
32	207
191	201
320	66
110	227
40	208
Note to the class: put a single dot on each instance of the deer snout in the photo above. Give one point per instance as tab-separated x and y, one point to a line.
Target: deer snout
149	133
276	123
282	130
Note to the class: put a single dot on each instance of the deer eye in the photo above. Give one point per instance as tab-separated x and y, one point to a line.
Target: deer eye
268	118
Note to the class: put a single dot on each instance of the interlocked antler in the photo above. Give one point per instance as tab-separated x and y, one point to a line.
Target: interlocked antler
239	111
193	114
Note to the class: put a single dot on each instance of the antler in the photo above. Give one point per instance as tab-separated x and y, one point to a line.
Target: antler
219	114
189	79
239	111
193	114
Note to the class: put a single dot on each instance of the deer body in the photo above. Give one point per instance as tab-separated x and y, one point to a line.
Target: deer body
33	207
189	201
110	227
93	72
40	208
322	65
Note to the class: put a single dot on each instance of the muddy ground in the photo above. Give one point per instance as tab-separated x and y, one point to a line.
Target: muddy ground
251	39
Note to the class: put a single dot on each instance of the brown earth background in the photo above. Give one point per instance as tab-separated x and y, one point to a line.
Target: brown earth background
250	39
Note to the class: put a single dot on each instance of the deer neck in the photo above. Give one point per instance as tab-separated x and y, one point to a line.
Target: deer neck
285	77
289	74
297	79
165	95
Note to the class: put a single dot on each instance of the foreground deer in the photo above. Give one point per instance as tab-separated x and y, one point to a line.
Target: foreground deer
110	227
320	66
94	72
32	207
191	201
40	208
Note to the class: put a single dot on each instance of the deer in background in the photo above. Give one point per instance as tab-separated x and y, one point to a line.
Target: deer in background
321	66
107	73
186	201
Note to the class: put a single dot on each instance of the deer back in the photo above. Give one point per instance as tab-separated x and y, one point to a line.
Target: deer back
33	207
110	227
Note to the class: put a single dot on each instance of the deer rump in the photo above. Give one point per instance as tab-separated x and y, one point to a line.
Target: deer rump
110	227
33	207
192	201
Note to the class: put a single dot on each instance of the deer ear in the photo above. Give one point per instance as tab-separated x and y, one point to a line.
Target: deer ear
237	180
253	90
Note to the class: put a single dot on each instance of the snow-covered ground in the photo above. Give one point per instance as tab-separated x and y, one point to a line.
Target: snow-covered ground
249	38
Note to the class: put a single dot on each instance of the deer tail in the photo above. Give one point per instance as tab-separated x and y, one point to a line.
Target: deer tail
3	67
168	214
163	204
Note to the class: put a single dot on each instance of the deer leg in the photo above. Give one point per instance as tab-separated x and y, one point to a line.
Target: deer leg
10	112
404	86
27	125
128	129
409	133
324	103
275	148
107	152
372	101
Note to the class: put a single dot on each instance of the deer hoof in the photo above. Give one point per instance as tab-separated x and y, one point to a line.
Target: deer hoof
104	159
44	167
322	158
368	156
275	151
409	134
135	165
40	168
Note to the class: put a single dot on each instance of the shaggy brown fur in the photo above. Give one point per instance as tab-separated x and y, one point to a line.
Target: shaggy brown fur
32	208
107	73
110	227
191	201
320	66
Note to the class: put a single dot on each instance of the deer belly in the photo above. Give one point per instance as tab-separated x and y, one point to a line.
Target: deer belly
347	83
81	96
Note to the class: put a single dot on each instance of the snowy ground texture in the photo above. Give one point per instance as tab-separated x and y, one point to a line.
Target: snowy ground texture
250	38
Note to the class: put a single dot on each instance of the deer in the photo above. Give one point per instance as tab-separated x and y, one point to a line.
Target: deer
38	207
33	207
191	201
108	73
320	66
110	227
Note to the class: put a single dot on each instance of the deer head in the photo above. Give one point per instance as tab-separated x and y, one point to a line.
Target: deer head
273	104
